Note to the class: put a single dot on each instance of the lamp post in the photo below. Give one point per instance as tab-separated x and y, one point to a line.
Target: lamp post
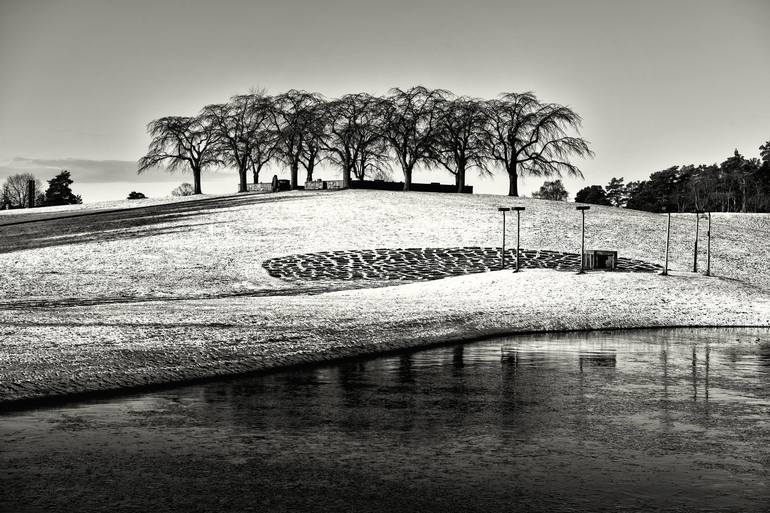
668	239
708	250
518	233
502	250
583	209
695	251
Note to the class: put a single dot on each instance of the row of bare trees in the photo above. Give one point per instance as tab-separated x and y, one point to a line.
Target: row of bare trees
363	135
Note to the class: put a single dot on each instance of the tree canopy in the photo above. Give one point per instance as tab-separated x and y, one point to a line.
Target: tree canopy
593	194
553	190
738	184
59	192
182	142
15	191
362	134
527	136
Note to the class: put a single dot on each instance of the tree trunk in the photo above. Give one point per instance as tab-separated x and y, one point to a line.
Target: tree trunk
196	180
242	175
346	176
513	182
460	179
743	194
361	175
309	168
408	178
255	174
294	173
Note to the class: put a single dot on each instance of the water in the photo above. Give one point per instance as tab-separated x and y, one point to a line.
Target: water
666	420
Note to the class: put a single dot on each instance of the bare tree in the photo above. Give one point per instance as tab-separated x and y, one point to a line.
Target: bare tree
373	161
179	141
5	199
315	137
264	138
228	121
409	126
15	192
291	119
354	141
525	136
459	139
244	134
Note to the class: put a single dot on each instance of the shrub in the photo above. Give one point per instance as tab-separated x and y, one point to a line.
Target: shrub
593	194
185	189
552	191
136	195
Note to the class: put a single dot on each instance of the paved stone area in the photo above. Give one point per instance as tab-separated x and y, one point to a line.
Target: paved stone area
411	264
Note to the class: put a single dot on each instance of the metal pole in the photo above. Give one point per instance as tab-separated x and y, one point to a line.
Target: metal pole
708	251
695	252
583	243
668	239
502	252
518	235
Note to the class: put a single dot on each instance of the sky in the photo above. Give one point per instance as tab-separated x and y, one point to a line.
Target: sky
658	83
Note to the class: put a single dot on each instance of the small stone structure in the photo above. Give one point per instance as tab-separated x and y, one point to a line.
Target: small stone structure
336	185
259	187
597	259
272	186
331	185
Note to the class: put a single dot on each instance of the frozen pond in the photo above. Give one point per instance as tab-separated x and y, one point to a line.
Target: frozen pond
671	420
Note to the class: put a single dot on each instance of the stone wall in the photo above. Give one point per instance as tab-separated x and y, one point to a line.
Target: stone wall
381	185
399	186
260	187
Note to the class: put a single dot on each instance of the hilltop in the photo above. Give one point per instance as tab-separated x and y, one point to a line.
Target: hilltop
216	245
177	290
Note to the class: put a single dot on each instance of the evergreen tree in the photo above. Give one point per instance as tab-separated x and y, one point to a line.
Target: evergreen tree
764	152
617	192
59	192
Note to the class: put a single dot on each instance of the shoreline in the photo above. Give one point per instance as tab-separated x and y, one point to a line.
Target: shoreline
73	353
315	360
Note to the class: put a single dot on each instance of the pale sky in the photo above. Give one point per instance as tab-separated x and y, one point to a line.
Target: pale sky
658	83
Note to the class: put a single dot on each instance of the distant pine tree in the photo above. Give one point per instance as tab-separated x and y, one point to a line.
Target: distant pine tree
59	192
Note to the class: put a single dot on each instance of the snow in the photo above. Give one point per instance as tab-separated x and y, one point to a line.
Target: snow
109	301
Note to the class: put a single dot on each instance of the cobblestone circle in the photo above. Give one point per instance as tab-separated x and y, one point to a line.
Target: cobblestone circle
410	264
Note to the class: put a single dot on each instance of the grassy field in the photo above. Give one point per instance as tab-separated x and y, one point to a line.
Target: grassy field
167	292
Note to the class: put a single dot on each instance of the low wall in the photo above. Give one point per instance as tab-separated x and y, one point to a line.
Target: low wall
259	187
317	185
382	185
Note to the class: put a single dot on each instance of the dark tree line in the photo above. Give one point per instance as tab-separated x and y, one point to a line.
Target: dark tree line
736	185
14	192
363	135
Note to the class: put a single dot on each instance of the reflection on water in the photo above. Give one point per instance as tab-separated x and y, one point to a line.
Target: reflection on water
674	420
